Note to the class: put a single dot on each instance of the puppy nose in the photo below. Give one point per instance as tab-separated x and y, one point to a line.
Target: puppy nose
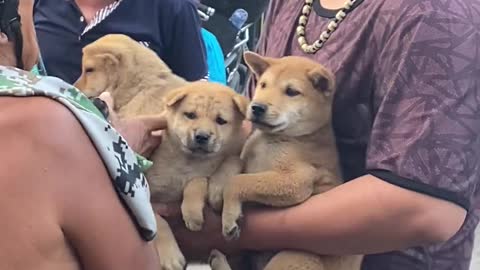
259	110
202	138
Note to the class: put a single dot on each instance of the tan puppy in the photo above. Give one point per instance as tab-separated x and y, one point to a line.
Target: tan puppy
200	150
290	156
134	75
204	136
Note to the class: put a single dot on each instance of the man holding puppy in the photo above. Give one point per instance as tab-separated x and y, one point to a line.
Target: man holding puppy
407	124
58	208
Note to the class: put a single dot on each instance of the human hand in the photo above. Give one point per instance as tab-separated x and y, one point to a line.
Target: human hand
197	245
143	134
247	127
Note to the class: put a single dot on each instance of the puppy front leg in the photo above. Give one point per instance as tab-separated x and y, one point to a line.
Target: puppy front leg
325	181
171	257
230	167
272	188
194	196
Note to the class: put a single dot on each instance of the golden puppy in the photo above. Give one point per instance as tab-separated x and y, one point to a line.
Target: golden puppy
134	75
200	150
290	156
201	147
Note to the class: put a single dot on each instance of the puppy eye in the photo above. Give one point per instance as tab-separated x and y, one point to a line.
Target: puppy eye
263	85
190	115
89	70
292	92
221	121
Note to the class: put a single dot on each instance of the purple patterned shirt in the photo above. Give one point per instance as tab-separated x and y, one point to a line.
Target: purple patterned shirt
407	108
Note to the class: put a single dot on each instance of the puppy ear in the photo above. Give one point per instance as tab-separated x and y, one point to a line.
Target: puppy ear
257	64
174	97
322	80
110	58
241	103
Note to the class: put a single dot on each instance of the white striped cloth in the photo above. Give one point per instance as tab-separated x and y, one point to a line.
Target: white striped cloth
101	15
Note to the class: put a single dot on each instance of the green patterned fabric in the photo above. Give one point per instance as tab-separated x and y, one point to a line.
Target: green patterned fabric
125	167
26	82
35	70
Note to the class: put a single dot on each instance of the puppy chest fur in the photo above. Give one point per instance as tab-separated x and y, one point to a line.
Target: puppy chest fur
173	170
292	153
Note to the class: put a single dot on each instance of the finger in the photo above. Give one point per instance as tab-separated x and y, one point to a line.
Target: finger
107	97
151	144
153	122
157	133
247	127
155	141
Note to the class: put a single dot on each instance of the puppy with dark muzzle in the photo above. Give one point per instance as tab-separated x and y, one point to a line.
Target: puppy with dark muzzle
200	150
290	156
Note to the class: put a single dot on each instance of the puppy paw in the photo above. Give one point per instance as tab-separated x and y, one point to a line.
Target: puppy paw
231	215
231	232
230	228
172	259
194	224
218	261
193	219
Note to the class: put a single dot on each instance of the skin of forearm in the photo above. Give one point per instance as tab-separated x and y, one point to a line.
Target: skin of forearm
363	216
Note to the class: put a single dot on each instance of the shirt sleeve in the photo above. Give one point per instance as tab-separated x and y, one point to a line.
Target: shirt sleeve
425	135
186	51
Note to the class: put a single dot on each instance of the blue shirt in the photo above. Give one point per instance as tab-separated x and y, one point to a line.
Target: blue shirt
215	58
169	27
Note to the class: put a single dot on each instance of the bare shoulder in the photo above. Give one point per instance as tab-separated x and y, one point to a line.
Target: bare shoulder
22	113
45	137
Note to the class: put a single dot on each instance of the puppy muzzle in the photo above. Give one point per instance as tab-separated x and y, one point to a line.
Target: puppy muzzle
202	143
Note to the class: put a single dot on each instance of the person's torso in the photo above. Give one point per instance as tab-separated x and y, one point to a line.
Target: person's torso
125	167
352	53
62	30
33	237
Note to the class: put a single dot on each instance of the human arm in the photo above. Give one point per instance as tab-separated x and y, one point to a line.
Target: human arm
30	52
424	139
186	51
425	135
355	218
89	212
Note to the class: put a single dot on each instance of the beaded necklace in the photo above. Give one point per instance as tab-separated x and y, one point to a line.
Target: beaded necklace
332	26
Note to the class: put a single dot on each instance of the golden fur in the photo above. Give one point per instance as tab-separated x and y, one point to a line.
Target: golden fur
202	144
134	75
185	169
290	156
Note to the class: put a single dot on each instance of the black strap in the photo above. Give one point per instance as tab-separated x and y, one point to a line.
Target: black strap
11	26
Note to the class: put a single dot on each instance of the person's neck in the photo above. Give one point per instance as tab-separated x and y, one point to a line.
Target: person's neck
90	7
332	4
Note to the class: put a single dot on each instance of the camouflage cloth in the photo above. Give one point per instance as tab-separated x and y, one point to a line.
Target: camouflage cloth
124	166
